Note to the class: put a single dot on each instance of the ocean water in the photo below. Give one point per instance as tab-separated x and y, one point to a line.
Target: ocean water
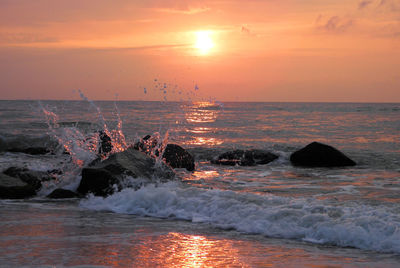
266	215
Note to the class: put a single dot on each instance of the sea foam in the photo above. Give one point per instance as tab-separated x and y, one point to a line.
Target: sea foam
316	221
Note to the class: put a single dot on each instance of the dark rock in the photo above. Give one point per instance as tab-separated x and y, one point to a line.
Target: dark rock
105	143
24	144
129	162
31	150
95	162
102	177
177	157
147	145
320	155
14	188
97	181
245	158
33	178
62	193
174	155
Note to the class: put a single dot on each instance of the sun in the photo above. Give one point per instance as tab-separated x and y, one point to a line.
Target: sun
204	43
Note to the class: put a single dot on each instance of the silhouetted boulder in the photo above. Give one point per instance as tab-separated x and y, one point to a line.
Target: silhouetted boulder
104	178
97	181
320	155
62	193
14	188
245	158
105	143
177	157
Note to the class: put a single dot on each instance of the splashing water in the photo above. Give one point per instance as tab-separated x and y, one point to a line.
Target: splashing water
117	137
83	146
101	140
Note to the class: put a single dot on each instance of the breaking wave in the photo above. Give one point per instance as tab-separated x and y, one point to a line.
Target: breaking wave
354	225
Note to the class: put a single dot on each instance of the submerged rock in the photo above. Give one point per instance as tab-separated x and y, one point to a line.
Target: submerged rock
103	178
262	157
177	157
320	155
62	193
15	188
232	158
245	158
31	150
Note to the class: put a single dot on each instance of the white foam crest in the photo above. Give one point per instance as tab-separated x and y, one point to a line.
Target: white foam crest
365	227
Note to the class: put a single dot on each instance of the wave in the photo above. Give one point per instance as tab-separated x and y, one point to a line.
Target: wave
354	225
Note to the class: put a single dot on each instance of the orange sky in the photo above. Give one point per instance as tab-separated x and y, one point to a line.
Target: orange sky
271	50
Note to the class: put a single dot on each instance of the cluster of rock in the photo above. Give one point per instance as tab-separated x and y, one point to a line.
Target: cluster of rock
114	171
16	183
140	164
313	155
173	155
100	177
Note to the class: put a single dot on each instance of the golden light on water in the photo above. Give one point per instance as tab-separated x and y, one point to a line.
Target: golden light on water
202	112
205	141
186	250
204	42
198	115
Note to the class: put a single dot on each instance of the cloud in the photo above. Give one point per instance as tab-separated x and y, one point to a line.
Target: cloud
334	24
245	30
25	38
391	5
152	47
375	18
363	4
178	6
42	12
183	11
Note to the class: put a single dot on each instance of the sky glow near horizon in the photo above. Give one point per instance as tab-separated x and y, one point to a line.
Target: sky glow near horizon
288	50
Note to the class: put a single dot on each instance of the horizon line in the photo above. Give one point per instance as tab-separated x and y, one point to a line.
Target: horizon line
176	101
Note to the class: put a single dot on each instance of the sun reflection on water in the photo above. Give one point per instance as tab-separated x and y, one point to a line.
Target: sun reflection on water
45	237
202	112
199	115
186	250
205	141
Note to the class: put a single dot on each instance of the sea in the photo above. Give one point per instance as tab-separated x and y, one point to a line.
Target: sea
273	215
